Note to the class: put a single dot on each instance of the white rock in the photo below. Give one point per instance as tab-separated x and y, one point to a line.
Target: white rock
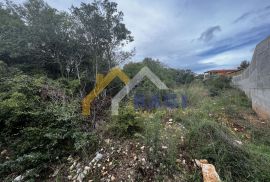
104	173
164	147
198	163
182	139
107	141
85	172
184	162
4	152
18	178
112	178
98	157
170	119
81	177
143	160
238	142
75	177
70	158
79	171
71	167
87	168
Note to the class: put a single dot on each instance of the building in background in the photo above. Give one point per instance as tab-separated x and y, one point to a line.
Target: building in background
213	73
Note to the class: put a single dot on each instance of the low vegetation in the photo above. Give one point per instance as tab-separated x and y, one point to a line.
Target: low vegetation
49	63
41	126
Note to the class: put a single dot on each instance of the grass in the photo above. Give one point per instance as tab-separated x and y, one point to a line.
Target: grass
162	138
218	127
215	124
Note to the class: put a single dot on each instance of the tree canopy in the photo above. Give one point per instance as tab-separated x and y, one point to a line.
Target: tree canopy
243	65
170	76
80	43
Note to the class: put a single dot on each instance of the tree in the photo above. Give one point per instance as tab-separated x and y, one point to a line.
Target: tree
244	64
35	34
77	44
12	32
170	76
48	32
102	31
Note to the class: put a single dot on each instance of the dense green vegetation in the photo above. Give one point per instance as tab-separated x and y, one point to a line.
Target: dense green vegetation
49	60
41	126
221	128
224	135
71	45
171	77
40	123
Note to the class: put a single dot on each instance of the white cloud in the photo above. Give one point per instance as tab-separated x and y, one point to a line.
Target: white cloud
231	58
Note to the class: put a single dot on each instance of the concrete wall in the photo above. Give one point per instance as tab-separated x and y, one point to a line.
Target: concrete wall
255	80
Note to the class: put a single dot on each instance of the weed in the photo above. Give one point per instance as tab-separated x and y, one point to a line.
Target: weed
215	143
127	123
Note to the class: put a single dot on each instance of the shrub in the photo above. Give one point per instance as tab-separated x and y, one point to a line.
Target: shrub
3	67
156	138
195	92
217	144
39	130
217	84
127	123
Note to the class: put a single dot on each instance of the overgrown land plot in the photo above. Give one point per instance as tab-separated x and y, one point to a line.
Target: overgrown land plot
51	59
43	138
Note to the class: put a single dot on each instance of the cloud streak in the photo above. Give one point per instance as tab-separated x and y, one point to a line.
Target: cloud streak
242	39
209	34
253	14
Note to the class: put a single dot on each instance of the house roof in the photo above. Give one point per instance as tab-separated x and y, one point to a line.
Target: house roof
222	71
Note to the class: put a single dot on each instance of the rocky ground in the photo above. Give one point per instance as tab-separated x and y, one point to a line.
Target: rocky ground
125	160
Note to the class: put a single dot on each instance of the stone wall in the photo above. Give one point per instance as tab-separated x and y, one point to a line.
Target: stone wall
255	80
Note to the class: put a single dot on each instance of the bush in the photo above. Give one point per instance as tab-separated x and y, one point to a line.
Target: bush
195	92
39	127
127	123
3	67
156	137
217	84
217	144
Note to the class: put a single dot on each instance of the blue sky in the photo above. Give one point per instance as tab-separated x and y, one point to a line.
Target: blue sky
195	34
